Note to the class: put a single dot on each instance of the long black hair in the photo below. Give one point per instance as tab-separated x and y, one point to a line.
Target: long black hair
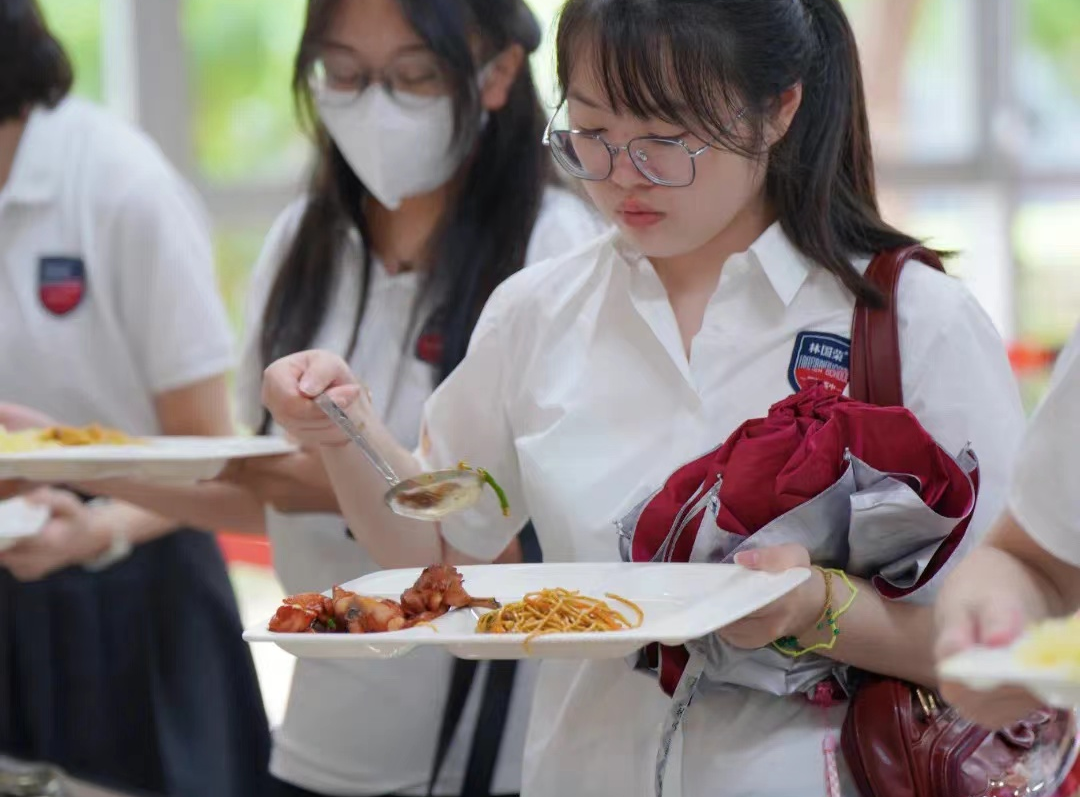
34	69
701	63
484	234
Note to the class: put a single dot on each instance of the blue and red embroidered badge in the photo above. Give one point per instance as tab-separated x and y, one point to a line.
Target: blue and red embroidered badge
61	284
820	359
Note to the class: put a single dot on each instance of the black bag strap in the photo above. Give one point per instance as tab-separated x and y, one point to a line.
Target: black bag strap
490	727
461	681
494	707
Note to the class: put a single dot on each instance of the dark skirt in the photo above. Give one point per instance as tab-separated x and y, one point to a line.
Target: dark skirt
279	788
135	678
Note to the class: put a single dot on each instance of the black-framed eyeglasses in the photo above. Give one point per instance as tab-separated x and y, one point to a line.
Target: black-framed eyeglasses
668	162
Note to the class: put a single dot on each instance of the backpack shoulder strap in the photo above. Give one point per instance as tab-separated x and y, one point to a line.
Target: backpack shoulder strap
875	334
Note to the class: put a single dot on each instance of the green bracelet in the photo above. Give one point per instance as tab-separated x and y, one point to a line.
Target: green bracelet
830	617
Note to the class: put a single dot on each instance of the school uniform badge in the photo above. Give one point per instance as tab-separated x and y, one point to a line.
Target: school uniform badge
820	359
429	348
61	284
431	344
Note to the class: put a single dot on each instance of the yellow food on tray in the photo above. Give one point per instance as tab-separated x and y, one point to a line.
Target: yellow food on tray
1054	644
558	611
61	437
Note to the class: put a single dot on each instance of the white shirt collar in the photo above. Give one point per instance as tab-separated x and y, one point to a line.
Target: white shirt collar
36	172
785	266
774	253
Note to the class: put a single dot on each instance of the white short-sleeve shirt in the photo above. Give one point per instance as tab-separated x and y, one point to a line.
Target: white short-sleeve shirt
325	744
1045	497
578	397
108	295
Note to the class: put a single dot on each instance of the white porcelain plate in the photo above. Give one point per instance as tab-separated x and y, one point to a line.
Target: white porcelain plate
169	459
680	601
985	669
20	519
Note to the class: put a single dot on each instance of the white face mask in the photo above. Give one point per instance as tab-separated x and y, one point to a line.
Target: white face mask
396	151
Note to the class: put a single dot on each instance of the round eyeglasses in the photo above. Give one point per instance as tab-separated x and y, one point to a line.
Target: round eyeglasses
668	162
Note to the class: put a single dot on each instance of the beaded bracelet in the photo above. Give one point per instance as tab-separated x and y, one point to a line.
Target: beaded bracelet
790	646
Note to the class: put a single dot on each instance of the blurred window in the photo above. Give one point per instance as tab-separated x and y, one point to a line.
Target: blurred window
974	106
240	56
77	23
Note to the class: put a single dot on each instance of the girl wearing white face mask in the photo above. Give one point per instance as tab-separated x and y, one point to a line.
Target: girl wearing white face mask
430	187
399	134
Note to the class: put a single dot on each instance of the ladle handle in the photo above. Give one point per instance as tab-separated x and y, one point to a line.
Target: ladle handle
338	416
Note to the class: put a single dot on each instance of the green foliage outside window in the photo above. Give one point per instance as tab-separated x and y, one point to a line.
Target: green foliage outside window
77	23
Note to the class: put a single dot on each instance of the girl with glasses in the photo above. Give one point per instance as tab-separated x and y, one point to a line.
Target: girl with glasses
431	187
728	142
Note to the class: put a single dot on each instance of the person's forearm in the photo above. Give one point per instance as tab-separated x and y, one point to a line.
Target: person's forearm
296	483
1049	586
389	539
138	525
210	505
883	637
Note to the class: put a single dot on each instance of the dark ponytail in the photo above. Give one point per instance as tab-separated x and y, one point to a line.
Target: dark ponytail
700	63
821	178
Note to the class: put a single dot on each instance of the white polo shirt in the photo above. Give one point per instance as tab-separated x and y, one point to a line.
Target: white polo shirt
1045	496
578	397
359	728
107	288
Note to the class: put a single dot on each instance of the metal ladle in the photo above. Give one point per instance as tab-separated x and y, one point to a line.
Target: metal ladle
429	496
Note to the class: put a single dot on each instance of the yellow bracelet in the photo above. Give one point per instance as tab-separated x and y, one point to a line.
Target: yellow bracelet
790	646
828	576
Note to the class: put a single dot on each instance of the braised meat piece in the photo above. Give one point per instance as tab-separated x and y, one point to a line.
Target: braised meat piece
303	613
358	614
439	589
